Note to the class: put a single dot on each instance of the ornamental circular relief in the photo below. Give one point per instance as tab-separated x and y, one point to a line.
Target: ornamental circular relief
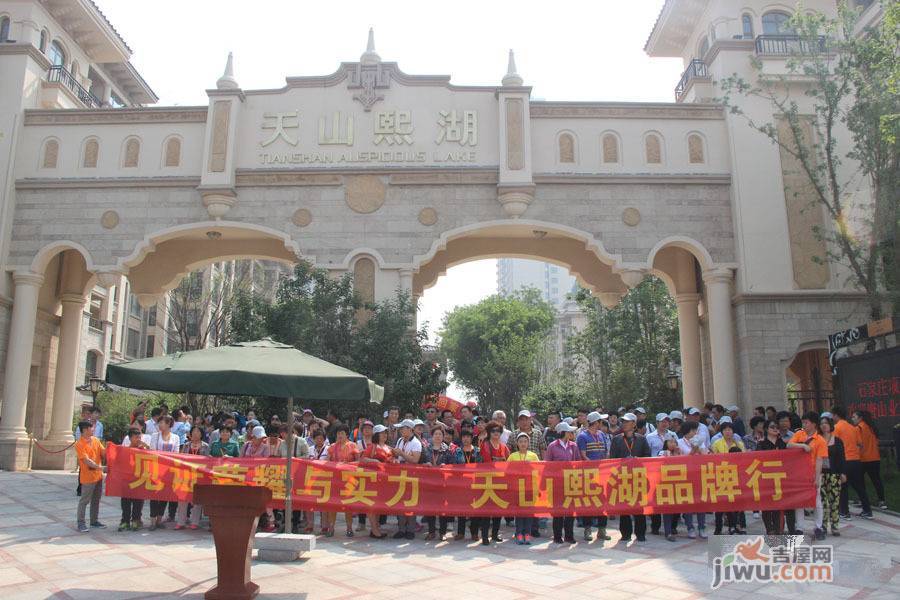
428	216
110	219
631	216
364	193
302	217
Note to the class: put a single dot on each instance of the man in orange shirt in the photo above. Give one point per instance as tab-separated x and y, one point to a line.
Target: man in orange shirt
850	437
809	440
90	453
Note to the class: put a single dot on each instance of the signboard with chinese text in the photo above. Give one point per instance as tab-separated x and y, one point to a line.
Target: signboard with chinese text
871	382
737	481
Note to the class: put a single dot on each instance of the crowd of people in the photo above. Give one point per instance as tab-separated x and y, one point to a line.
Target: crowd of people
842	449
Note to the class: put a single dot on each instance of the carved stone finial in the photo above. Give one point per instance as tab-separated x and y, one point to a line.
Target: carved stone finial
512	78
227	80
370	57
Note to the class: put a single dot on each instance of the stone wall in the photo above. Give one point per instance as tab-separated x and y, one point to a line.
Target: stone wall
772	329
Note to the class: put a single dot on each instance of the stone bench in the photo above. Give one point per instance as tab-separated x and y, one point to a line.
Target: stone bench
282	547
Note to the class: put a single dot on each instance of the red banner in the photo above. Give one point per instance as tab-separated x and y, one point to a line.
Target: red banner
682	484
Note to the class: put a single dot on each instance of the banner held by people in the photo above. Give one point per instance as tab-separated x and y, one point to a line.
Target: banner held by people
702	483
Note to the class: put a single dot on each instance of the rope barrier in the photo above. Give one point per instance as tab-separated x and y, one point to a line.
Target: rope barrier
36	443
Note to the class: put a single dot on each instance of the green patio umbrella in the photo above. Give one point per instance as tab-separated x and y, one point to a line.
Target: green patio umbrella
260	368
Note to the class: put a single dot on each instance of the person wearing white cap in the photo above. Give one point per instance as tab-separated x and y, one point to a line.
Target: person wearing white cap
563	449
739	428
378	451
408	450
657	441
593	444
718	436
629	444
643	427
258	448
524	424
702	431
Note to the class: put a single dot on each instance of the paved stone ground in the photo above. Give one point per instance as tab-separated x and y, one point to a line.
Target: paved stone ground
43	556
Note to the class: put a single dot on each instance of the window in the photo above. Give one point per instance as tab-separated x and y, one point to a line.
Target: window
566	148
45	37
173	152
91	152
695	149
133	344
192	324
747	26
51	154
151	317
90	366
776	23
132	153
653	149
94	319
57	54
134	306
4	29
151	342
610	148
115	101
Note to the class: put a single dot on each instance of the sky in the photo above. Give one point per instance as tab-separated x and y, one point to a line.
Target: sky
566	50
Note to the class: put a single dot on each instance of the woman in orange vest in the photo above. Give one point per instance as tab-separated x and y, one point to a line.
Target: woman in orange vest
870	456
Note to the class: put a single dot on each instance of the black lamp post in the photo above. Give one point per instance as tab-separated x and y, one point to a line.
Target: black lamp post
673	379
96	384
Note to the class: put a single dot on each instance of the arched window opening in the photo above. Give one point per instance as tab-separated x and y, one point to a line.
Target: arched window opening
695	149
4	29
132	153
173	152
777	23
57	55
45	38
566	148
653	148
51	154
747	26
91	153
610	148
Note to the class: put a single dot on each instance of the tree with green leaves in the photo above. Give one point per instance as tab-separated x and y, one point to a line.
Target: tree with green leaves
839	106
493	347
625	352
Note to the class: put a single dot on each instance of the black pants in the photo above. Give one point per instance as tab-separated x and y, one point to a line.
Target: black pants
173	507
790	520
564	528
854	471
474	524
600	521
132	508
494	524
872	468
440	521
157	508
636	524
772	521
655	524
731	518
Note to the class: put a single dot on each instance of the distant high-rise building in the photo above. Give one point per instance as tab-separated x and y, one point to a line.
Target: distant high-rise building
552	281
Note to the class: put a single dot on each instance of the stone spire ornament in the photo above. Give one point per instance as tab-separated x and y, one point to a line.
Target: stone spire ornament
370	57
511	78
227	80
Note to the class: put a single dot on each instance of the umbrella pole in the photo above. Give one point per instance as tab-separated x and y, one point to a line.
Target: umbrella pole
288	479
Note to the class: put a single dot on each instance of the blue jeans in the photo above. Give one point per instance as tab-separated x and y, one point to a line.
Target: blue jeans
689	520
523	525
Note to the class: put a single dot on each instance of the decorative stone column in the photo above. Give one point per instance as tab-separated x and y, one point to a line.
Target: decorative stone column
721	335
60	435
13	437
515	186
689	340
106	322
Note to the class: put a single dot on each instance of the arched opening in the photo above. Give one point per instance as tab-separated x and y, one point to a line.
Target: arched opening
777	22
809	383
4	29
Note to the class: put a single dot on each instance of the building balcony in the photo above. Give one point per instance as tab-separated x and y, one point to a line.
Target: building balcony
696	69
61	77
788	45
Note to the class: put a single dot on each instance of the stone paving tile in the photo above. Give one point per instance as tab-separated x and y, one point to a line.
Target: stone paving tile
42	556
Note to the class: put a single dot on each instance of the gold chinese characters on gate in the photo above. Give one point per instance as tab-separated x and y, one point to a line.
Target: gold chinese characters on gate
392	139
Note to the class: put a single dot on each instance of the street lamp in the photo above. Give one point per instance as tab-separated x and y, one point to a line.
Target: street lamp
673	378
96	384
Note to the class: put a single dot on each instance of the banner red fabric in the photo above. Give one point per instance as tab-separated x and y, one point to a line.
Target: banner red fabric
724	482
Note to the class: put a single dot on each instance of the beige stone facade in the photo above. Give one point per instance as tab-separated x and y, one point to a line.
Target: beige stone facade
402	177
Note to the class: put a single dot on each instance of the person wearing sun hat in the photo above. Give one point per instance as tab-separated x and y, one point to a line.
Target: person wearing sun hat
408	450
593	444
564	449
629	444
693	414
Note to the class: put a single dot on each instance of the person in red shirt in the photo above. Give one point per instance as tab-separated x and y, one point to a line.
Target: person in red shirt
492	450
90	453
344	451
849	436
814	445
377	451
